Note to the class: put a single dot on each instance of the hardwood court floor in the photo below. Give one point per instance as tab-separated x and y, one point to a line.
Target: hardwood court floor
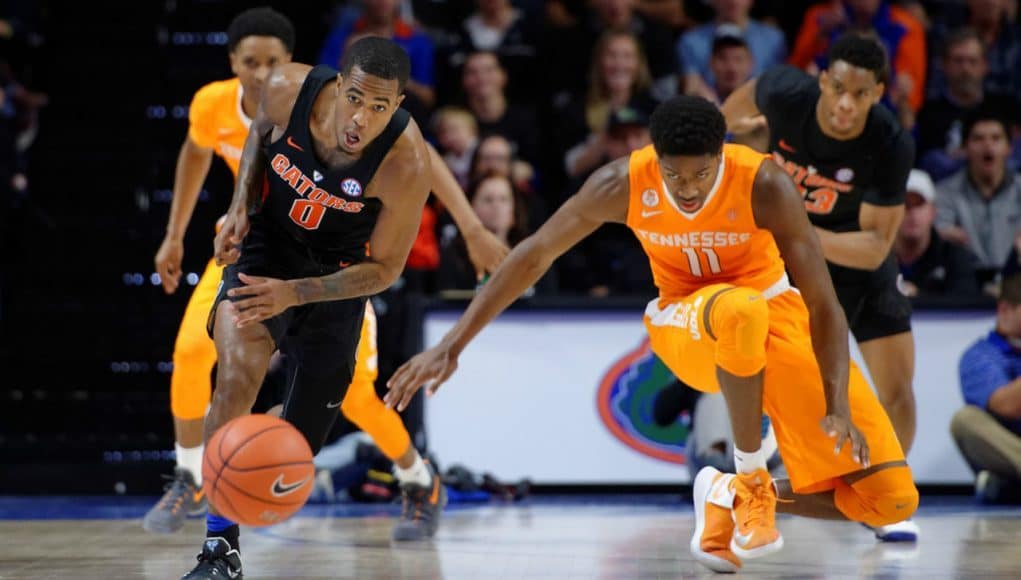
605	538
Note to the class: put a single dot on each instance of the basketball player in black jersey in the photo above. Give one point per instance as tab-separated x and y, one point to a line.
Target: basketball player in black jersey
333	178
851	159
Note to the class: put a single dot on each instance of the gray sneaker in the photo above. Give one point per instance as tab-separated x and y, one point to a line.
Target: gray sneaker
182	499
420	514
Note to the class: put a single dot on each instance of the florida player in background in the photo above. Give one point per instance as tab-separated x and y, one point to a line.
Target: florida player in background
720	224
851	159
218	119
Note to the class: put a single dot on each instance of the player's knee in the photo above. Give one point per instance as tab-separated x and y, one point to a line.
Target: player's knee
741	325
885	497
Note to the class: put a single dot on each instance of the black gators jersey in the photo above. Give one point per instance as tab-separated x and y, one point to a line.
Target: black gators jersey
323	209
834	176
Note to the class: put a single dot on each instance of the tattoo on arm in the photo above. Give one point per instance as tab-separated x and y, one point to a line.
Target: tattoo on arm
359	280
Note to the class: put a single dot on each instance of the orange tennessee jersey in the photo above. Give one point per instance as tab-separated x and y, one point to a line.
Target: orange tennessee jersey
217	121
719	243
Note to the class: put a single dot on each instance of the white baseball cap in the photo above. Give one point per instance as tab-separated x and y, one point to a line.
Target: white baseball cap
919	182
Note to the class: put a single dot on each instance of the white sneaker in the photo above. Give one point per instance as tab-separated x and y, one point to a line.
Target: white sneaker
905	531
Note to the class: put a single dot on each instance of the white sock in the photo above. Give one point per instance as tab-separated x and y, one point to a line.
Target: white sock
190	458
749	462
418	473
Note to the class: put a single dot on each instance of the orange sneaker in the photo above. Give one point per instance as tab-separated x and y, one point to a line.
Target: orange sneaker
714	524
755	533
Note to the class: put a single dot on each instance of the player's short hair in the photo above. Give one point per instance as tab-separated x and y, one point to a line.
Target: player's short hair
262	21
862	51
1010	289
981	115
687	125
379	57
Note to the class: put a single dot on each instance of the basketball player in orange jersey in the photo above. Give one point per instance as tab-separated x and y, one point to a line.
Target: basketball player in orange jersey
720	223
261	38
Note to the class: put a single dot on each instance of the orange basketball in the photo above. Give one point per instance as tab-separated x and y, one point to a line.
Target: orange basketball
257	470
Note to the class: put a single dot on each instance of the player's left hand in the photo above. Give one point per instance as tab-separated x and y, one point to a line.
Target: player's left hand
264	298
843	429
485	251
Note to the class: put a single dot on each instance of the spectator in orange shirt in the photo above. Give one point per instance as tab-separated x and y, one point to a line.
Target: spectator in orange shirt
901	34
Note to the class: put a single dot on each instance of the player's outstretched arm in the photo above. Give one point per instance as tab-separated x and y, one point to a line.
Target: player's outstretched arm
485	250
274	111
193	162
779	208
603	198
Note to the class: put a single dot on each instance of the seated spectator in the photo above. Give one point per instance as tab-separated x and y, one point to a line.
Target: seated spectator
484	81
900	33
1001	41
501	210
731	63
627	129
979	207
457	136
497	26
495	155
609	262
988	429
940	146
570	44
619	78
380	18
931	267
695	47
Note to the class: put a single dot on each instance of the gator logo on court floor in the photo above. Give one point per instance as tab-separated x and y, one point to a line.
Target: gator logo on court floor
627	394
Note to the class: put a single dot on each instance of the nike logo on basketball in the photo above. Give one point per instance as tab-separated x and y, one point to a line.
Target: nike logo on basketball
783	145
290	141
646	214
280	488
334	405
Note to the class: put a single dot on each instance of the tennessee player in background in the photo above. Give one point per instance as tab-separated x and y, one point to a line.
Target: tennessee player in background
851	159
219	117
720	225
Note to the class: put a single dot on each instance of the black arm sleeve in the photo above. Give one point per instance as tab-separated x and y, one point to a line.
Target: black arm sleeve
892	174
783	89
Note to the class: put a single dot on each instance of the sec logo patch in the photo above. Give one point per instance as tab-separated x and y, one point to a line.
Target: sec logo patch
351	187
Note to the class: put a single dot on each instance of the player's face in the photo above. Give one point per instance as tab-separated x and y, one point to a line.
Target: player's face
987	148
365	104
689	178
847	94
253	59
494	204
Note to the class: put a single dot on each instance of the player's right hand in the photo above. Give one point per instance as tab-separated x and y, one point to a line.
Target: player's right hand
432	367
227	245
168	263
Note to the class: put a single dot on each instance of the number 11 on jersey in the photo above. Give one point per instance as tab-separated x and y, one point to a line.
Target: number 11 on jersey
712	260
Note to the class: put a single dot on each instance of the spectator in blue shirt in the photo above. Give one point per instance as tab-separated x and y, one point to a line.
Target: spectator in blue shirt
988	429
694	49
380	18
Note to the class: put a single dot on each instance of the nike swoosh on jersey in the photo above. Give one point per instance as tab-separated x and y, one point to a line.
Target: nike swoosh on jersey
646	214
281	489
290	141
334	405
783	145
